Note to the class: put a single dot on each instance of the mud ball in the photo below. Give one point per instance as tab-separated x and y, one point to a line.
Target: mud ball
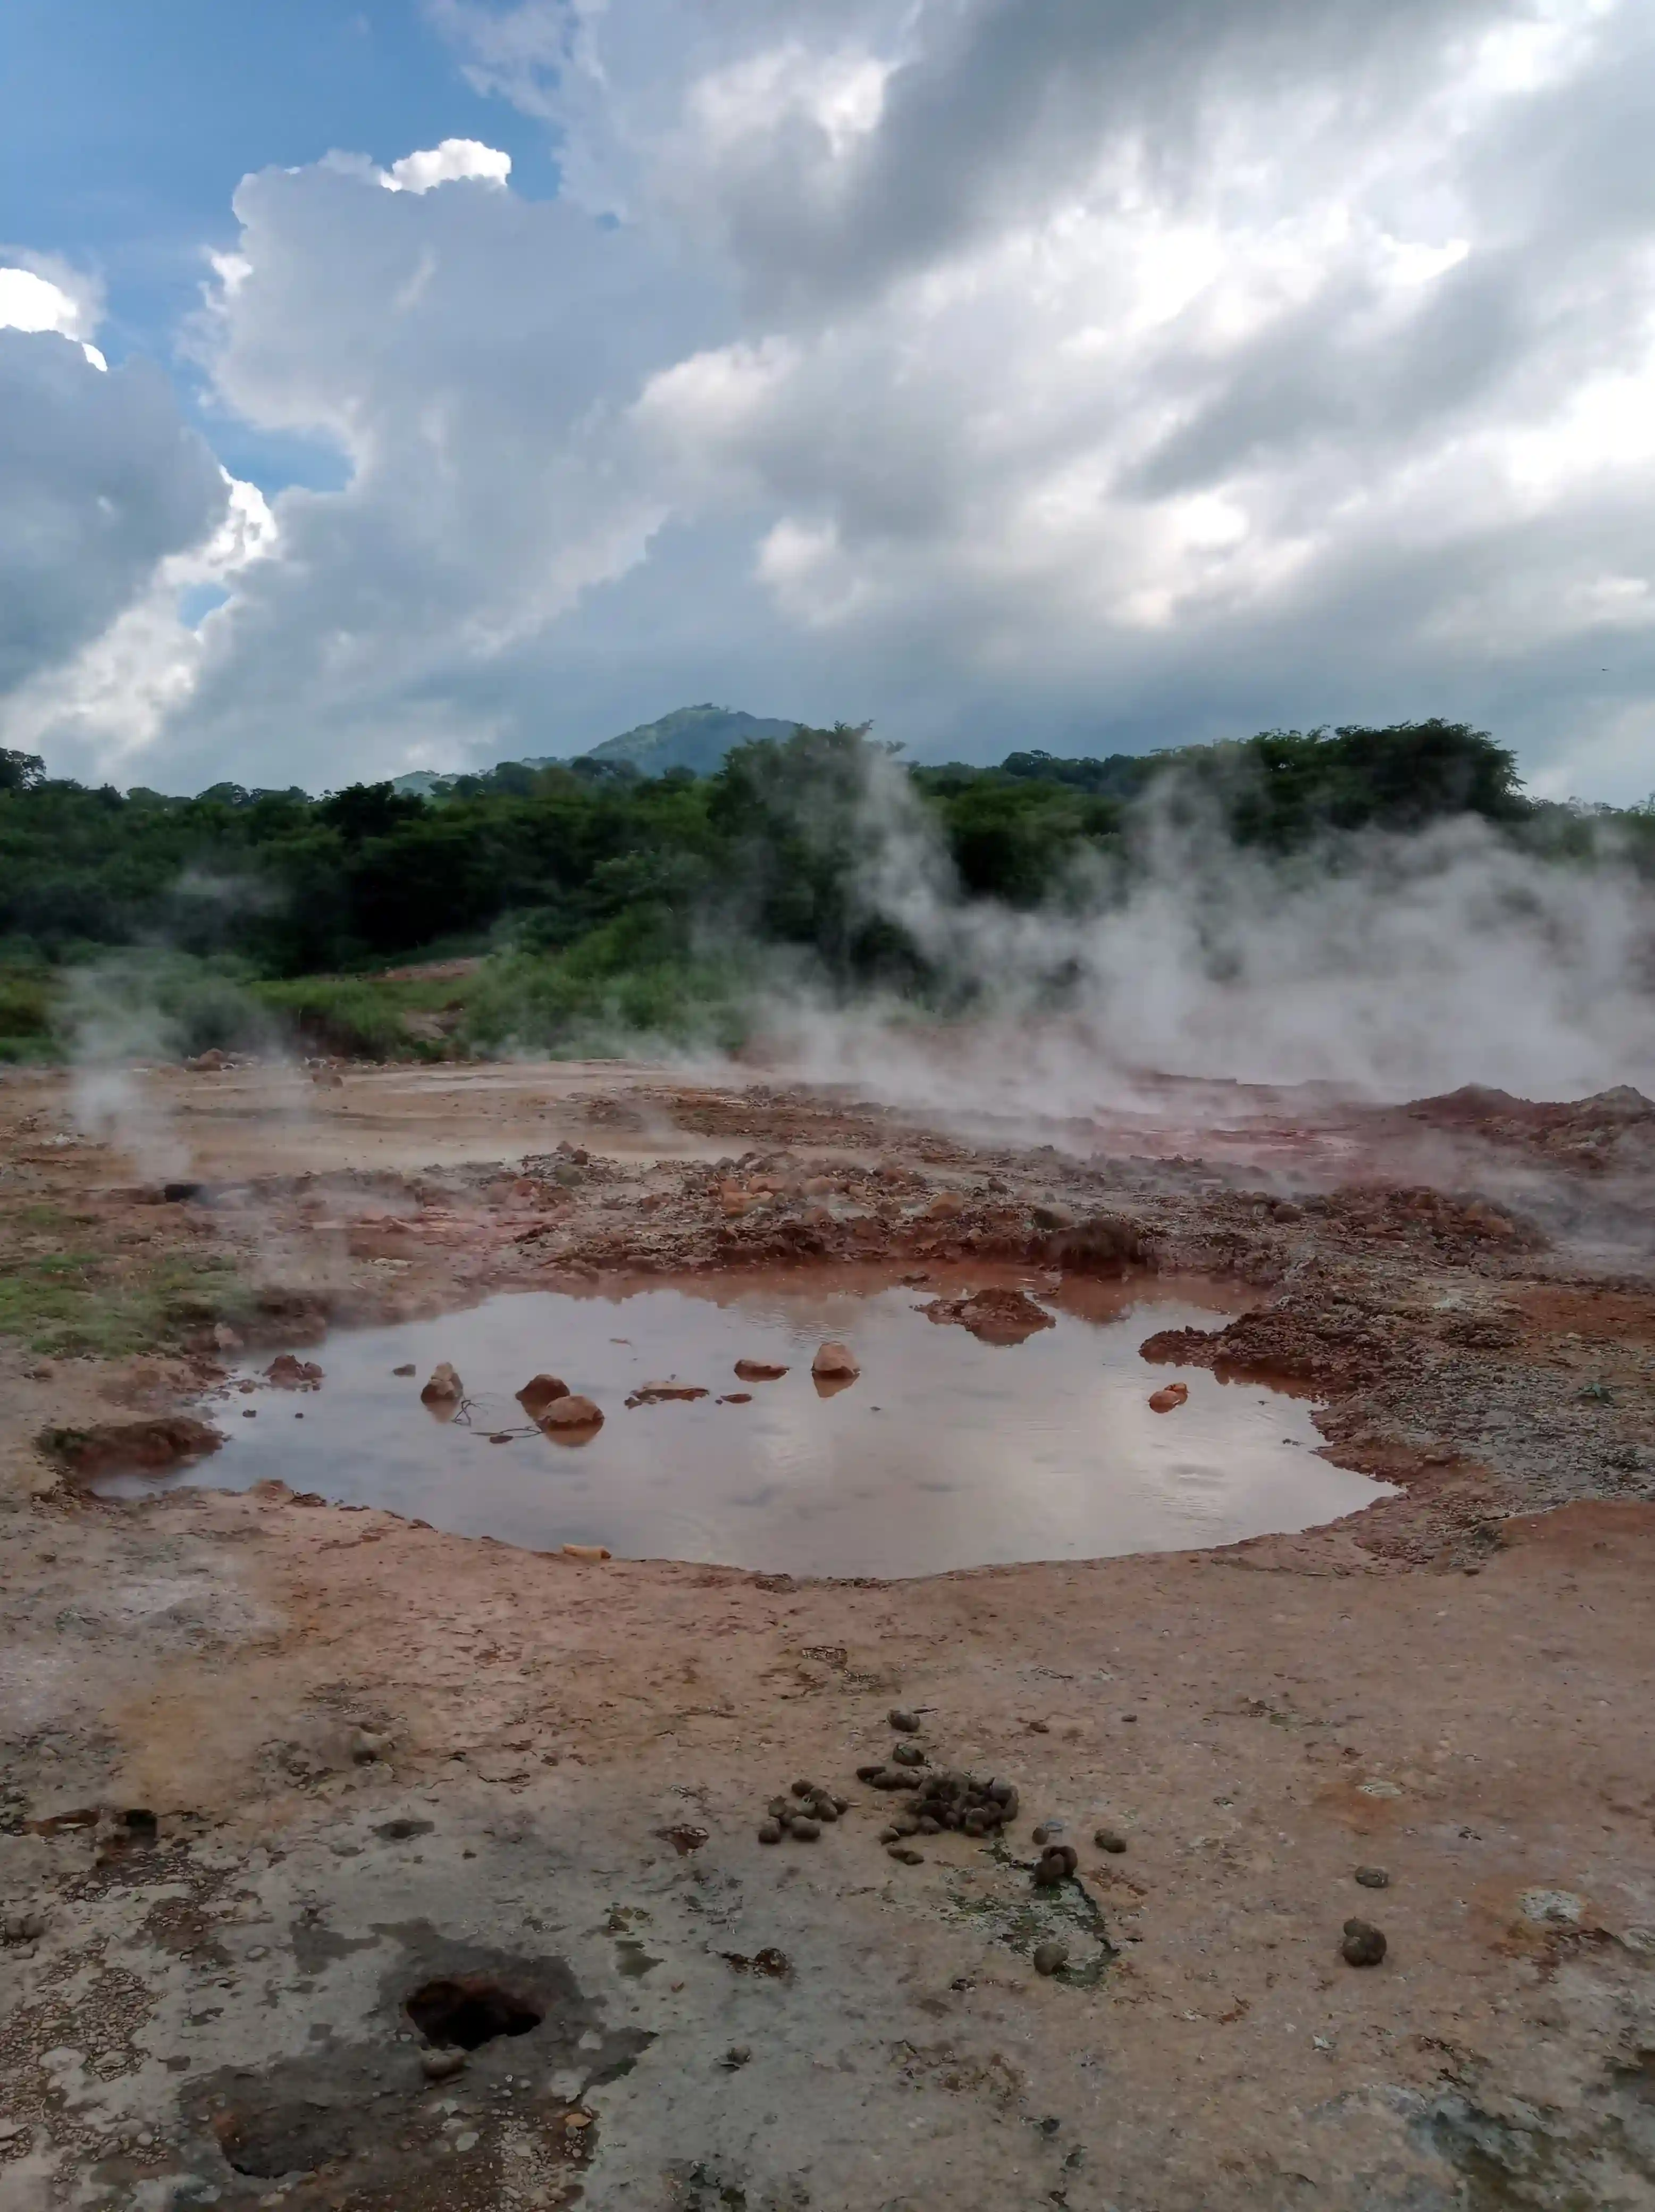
870	1773
905	1723
1372	1877
907	1754
824	1808
841	1805
804	1790
805	1831
1050	1957
1047	1833
1001	1792
770	1831
890	1835
778	1807
1364	1944
905	1854
928	1826
1110	1839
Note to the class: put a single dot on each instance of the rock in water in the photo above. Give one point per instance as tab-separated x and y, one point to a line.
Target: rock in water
539	1392
444	1387
1168	1398
574	1415
759	1371
835	1363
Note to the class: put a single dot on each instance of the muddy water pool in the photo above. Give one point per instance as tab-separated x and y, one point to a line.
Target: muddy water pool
945	1451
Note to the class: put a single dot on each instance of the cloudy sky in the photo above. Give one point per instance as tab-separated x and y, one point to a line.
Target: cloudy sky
432	382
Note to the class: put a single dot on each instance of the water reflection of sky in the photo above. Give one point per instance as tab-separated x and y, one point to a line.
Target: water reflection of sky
947	1452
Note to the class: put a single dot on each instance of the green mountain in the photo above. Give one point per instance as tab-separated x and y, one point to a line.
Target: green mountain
695	738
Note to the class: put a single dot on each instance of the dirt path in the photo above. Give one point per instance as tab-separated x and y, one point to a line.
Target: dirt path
271	1767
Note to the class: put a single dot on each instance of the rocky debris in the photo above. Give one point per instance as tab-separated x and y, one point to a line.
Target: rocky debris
289	1372
574	1416
835	1363
152	1447
442	2065
997	1316
1057	1864
661	1394
1110	1840
1051	1957
1169	1397
539	1392
1363	1946
803	1815
737	2056
596	1553
759	1371
444	1387
1372	1877
408	1368
1106	1243
23	1927
943	1798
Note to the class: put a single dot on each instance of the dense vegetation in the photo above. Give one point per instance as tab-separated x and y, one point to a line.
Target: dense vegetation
606	900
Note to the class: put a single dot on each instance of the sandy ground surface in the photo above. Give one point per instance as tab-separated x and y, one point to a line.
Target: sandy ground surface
268	1769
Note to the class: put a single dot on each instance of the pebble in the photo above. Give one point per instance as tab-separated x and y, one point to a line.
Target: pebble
907	1754
1372	1877
738	2054
770	1831
905	1723
1110	1839
441	2065
1050	1956
805	1831
906	1854
1363	1946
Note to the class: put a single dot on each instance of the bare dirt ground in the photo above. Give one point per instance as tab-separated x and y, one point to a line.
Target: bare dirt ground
268	1769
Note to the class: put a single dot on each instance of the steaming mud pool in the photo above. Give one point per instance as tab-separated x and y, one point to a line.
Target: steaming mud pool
945	1451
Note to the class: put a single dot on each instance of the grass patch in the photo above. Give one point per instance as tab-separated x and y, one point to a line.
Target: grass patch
71	1302
366	1016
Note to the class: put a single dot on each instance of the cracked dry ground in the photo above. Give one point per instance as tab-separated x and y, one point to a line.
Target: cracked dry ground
297	1800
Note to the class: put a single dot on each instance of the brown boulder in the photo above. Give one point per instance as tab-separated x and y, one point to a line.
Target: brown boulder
1168	1397
539	1392
444	1387
835	1363
997	1316
574	1418
759	1371
144	1447
289	1372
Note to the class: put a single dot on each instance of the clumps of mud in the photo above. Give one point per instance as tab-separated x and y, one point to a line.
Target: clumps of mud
801	1816
154	1447
995	1317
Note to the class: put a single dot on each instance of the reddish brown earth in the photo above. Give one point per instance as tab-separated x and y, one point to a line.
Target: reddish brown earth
269	1767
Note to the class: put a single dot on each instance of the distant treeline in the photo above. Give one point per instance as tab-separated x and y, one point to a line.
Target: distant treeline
601	872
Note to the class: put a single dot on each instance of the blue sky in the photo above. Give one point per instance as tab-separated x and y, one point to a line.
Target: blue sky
421	384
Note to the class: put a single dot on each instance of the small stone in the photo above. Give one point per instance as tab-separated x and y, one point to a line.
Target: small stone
907	1754
408	1369
905	1854
770	1831
891	1835
540	1392
467	2141
777	1808
805	1831
737	2056
441	2065
905	1723
1050	1956
835	1363
1168	1398
1363	1944
574	1414
444	1386
1372	1877
804	1790
1110	1839
824	1808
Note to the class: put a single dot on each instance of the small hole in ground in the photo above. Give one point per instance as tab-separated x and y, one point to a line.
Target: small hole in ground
471	2011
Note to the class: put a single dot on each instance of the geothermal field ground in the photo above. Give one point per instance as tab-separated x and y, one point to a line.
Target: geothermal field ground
1100	1665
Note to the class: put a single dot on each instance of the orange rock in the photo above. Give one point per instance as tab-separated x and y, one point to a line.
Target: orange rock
759	1371
593	1552
539	1392
836	1363
573	1419
1171	1395
945	1204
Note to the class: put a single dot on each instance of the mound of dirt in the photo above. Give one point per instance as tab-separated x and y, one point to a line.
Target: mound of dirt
997	1316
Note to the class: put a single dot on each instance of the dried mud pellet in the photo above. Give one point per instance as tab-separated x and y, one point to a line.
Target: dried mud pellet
770	1831
804	1790
907	1754
905	1854
825	1809
892	1835
777	1807
841	1805
1372	1877
805	1831
870	1773
1364	1945
1110	1840
905	1723
929	1825
1051	1957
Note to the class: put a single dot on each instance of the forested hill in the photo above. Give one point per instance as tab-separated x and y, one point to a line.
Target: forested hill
603	872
